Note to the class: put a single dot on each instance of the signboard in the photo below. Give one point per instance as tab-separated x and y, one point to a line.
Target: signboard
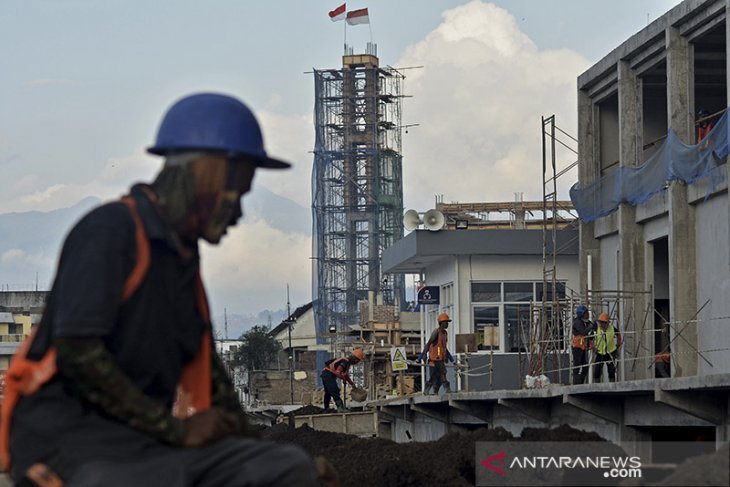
398	358
428	295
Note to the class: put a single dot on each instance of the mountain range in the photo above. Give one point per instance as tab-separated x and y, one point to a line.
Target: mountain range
30	243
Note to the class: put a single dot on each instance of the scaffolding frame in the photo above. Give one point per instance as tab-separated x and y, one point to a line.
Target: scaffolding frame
547	317
357	188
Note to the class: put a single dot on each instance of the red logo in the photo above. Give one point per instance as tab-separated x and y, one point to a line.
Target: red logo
487	463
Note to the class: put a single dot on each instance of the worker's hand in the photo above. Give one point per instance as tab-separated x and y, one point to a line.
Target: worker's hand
450	357
422	357
207	427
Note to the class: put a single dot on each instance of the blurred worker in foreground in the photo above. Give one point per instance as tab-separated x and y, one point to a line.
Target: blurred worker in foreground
126	332
437	356
606	341
582	327
338	369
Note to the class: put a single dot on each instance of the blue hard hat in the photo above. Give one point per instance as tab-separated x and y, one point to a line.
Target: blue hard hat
580	310
215	123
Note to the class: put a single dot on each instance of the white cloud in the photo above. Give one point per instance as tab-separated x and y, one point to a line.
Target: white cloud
291	138
252	266
34	83
479	100
34	193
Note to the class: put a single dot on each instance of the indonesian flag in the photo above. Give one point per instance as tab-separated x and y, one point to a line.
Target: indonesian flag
338	13
356	17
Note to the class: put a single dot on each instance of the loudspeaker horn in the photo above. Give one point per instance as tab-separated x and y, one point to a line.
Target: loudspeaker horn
434	220
411	220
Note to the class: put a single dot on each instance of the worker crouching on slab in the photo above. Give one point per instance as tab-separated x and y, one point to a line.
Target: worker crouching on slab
437	354
338	369
606	341
126	331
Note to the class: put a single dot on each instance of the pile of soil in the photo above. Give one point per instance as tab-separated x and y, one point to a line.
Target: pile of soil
376	461
702	470
309	410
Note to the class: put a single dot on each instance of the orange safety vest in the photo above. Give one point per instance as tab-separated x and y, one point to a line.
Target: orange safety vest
25	377
703	132
580	341
437	351
332	367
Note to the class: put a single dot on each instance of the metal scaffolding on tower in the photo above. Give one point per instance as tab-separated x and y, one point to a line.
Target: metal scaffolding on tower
357	189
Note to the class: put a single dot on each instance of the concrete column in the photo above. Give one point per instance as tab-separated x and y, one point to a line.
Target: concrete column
631	235
587	173
683	263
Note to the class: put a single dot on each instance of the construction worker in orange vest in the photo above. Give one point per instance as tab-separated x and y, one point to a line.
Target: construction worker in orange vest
437	354
126	332
338	369
582	327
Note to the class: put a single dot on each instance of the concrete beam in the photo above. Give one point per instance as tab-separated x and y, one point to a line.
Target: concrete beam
401	411
436	413
595	406
480	410
534	408
697	404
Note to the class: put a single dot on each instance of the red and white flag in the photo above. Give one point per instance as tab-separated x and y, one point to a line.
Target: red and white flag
339	13
355	17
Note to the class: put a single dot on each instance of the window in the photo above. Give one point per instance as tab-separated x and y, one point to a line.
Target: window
486	292
518	291
517	327
559	288
486	326
502	314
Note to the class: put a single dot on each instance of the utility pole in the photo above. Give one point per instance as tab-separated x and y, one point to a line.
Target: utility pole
225	322
291	351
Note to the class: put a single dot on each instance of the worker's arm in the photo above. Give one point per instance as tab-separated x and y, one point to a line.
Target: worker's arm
343	374
449	357
91	373
225	396
424	354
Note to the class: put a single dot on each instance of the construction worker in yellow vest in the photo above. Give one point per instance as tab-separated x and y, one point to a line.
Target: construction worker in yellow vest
437	356
606	342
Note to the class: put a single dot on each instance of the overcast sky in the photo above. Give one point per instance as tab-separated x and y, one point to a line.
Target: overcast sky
84	85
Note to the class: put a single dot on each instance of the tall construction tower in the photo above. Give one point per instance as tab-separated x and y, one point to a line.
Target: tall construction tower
357	189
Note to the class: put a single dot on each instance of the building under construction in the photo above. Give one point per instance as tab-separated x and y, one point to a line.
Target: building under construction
357	190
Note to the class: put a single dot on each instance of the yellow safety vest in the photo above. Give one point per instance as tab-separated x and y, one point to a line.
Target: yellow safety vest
605	341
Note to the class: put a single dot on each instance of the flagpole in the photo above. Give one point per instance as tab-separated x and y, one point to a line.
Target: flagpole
344	24
370	28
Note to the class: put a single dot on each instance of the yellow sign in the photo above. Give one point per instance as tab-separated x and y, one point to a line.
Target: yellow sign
398	358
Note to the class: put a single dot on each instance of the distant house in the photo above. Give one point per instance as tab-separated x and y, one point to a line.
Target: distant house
20	311
302	331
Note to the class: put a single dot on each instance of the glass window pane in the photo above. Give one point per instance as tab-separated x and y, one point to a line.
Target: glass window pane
486	292
486	327
517	291
517	326
559	287
486	316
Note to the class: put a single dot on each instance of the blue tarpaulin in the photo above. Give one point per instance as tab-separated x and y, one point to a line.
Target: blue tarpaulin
674	160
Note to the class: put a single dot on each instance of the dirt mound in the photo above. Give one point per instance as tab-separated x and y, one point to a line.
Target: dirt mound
375	461
702	470
310	409
561	433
